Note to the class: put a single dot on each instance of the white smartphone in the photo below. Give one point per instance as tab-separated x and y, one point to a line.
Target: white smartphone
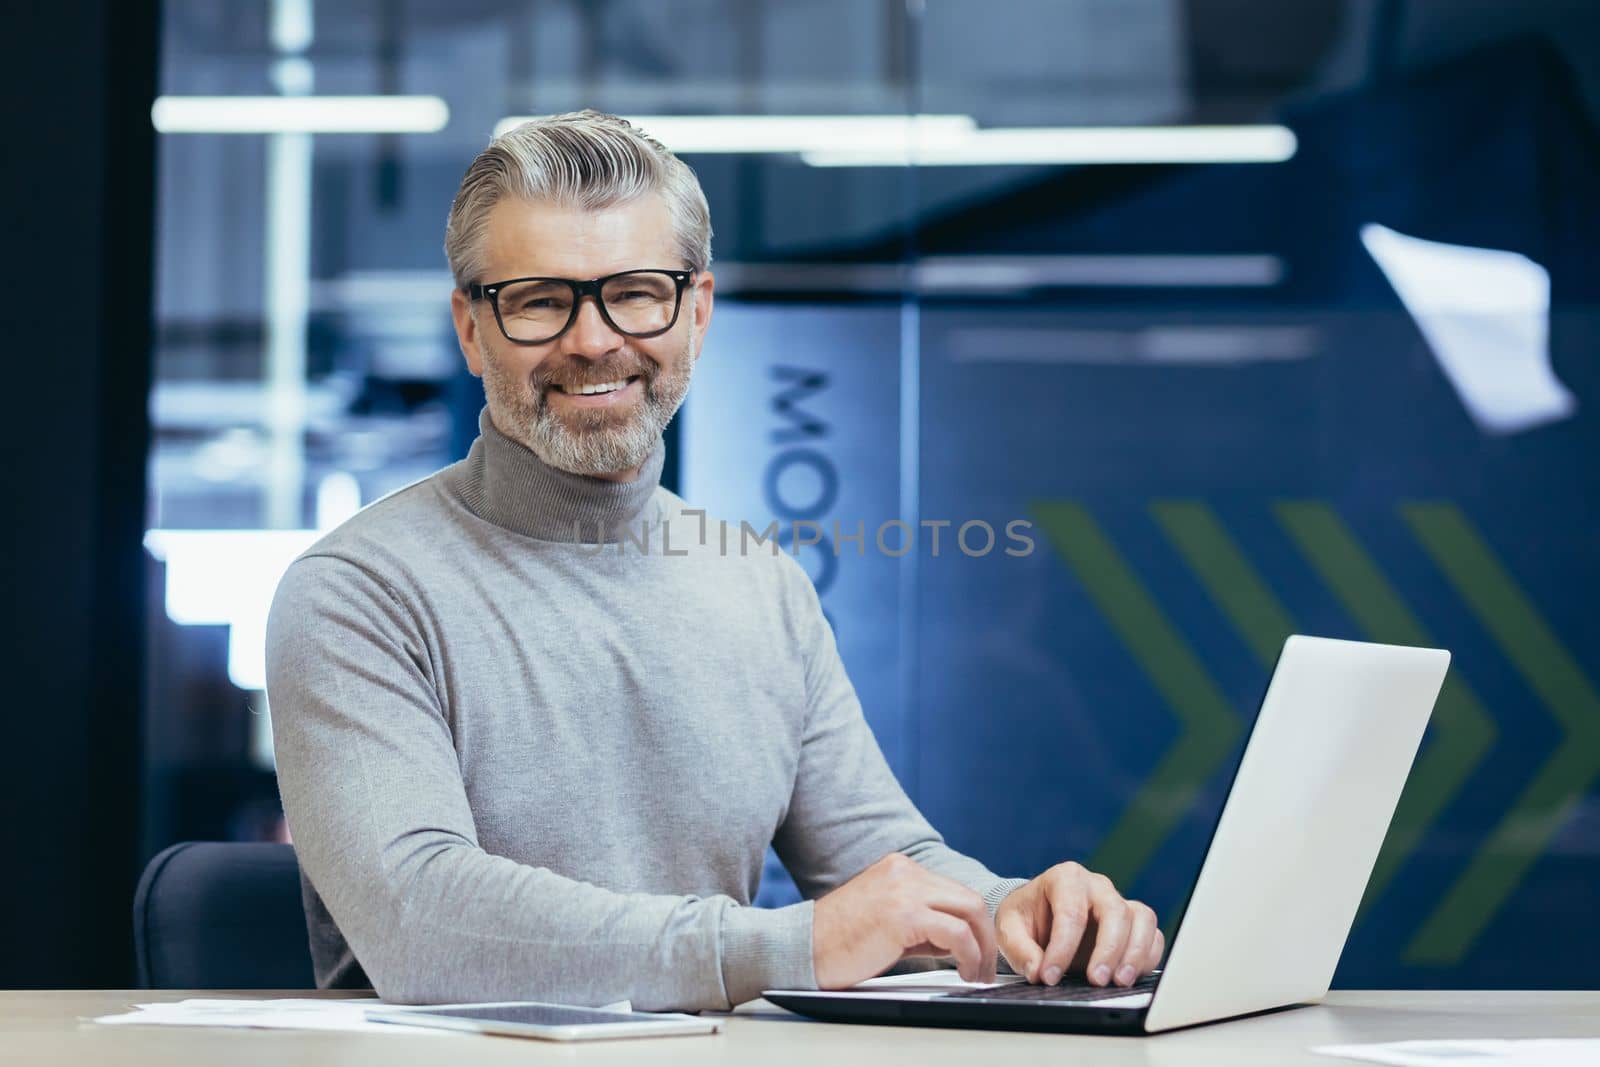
548	1022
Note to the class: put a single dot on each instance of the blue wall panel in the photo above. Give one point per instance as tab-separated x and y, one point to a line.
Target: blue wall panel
1209	469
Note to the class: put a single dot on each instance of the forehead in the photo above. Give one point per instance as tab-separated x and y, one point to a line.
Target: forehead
541	237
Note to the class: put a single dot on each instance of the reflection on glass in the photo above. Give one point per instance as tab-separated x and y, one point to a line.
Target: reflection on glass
1486	316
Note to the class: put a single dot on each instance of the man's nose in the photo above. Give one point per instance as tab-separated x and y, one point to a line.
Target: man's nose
591	335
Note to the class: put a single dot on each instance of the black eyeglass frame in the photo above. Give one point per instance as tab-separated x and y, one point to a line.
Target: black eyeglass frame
491	293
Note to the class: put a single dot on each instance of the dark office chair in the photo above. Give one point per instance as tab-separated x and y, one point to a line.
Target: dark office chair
210	915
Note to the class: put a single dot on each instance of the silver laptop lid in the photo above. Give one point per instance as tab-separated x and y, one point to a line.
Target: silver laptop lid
1300	830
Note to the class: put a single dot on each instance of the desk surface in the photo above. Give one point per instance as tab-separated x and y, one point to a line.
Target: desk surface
46	1028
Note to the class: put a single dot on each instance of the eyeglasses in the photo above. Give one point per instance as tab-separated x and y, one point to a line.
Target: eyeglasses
535	311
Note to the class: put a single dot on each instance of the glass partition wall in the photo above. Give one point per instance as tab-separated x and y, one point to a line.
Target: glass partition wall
1081	351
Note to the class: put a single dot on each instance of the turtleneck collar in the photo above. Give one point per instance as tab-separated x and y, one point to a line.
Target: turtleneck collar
503	482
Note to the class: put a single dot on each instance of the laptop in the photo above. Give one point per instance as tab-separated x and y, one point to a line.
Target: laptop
1281	880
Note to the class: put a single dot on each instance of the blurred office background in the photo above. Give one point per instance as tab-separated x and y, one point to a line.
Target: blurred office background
1269	318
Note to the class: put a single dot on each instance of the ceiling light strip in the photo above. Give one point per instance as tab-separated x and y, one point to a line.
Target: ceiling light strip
1079	145
299	114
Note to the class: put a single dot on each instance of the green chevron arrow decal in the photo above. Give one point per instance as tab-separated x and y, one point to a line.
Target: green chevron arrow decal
1235	586
1461	731
1211	727
1517	627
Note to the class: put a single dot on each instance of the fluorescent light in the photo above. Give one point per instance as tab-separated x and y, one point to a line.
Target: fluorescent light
1005	274
219	576
299	114
292	25
1061	145
1010	273
955	140
1218	344
691	134
228	578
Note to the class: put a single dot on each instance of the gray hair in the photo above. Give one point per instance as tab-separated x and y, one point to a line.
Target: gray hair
585	159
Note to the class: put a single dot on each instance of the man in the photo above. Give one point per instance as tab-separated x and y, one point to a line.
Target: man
519	767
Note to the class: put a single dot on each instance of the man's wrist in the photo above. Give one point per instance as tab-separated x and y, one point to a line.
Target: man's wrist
996	894
993	897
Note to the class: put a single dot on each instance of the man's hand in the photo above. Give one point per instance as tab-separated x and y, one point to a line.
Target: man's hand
895	909
1070	919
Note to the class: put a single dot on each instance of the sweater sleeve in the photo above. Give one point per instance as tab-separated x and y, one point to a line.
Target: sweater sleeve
848	810
375	801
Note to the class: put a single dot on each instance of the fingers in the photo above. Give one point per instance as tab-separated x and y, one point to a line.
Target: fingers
954	899
954	936
1142	933
1090	926
893	909
1067	896
926	893
1115	920
1014	933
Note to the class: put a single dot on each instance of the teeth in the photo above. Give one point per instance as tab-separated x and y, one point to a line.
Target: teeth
603	387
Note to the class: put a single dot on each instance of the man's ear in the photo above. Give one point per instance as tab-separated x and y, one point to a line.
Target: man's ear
467	331
704	298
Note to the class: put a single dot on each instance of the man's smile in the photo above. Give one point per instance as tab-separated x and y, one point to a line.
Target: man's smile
599	394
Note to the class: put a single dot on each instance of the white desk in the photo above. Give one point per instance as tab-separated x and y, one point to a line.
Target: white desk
43	1029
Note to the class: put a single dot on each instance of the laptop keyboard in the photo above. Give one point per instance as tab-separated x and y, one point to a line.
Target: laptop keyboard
1068	989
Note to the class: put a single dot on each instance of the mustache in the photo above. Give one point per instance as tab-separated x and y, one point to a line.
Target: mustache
575	375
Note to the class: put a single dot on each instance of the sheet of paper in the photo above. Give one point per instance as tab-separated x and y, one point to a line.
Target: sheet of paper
290	1014
1537	1052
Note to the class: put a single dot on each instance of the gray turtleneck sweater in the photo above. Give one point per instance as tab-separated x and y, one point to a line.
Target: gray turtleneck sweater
534	734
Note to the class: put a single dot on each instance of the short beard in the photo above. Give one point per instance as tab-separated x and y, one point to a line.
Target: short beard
591	442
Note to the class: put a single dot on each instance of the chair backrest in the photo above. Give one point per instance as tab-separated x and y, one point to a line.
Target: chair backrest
212	915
